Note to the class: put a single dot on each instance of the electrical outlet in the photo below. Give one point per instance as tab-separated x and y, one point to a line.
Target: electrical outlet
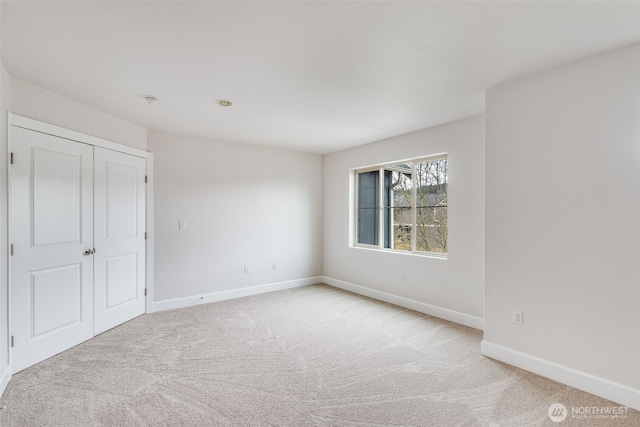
517	317
401	277
182	225
246	270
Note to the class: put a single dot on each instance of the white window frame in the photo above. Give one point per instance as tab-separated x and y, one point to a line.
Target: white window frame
354	220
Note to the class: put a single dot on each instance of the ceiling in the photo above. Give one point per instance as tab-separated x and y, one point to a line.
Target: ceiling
311	76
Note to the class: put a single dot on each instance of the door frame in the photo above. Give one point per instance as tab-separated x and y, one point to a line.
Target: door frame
15	120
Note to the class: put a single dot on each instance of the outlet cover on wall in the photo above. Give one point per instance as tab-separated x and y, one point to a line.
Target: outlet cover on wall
517	317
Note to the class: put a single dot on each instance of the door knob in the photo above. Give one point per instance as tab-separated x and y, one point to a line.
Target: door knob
90	251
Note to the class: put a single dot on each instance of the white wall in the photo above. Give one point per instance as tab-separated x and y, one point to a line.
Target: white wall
244	205
40	104
563	219
455	284
4	305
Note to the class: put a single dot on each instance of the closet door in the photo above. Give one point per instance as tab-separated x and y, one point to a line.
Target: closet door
119	230
51	235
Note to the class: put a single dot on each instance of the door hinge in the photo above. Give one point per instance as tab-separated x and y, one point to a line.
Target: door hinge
11	158
145	292
145	177
12	249
11	340
145	235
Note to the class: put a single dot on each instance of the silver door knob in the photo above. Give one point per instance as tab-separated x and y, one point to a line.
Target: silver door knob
90	251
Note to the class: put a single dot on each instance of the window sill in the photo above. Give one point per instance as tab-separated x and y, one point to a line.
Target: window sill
432	255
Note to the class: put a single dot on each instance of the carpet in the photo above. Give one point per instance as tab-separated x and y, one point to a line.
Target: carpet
311	356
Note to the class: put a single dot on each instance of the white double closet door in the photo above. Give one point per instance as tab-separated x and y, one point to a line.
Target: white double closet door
77	229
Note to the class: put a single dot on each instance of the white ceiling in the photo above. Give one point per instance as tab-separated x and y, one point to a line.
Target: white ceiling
311	76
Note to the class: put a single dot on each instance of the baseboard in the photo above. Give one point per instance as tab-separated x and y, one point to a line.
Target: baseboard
4	380
232	293
432	310
619	393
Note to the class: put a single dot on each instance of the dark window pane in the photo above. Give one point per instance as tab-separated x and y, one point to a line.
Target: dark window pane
368	212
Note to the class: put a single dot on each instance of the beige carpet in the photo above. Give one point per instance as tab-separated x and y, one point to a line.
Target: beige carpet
313	356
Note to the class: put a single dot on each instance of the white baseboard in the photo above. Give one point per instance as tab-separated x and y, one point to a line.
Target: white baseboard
4	379
432	310
189	301
619	393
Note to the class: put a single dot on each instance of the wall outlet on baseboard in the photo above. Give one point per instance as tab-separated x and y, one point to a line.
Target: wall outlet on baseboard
517	317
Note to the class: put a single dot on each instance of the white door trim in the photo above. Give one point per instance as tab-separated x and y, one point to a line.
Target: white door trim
150	234
38	126
15	120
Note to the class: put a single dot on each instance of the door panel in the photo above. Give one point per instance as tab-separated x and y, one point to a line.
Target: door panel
51	199
57	188
122	199
56	298
121	283
119	238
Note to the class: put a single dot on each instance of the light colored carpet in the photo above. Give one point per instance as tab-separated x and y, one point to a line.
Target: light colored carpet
312	356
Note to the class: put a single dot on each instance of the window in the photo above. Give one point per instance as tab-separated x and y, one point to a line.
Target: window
403	206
